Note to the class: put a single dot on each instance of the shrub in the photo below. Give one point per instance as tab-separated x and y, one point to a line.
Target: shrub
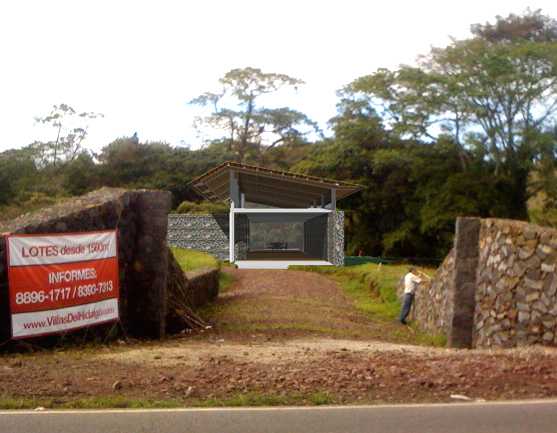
204	207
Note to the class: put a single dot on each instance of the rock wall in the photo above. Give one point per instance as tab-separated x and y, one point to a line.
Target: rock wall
462	287
203	286
497	288
516	296
335	242
208	233
141	220
432	306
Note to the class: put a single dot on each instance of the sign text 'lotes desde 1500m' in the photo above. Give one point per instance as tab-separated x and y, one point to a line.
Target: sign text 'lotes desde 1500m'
62	282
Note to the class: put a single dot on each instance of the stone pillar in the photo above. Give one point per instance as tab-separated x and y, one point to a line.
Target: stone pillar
335	237
5	323
463	299
148	288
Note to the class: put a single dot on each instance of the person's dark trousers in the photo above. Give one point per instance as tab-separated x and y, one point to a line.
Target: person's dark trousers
406	306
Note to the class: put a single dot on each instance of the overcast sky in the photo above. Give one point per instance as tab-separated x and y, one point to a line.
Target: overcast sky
140	62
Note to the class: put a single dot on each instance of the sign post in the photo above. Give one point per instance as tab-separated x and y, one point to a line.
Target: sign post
62	282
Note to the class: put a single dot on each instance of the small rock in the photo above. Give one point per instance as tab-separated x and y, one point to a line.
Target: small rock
188	392
460	397
39	409
523	317
537	285
157	357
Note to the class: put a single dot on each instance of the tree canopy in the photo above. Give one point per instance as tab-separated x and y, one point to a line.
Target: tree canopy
470	129
251	129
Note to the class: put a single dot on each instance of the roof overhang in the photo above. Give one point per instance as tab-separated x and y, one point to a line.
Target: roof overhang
269	187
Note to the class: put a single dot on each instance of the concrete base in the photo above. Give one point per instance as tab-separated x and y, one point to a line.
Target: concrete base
278	264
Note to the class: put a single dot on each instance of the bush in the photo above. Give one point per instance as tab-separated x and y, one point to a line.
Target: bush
204	207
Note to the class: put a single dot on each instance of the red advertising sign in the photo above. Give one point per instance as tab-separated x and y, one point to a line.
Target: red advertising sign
62	282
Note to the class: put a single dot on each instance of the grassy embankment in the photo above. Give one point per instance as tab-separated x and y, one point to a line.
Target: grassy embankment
372	287
192	260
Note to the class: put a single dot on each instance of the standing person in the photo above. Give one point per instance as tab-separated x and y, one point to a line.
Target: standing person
411	281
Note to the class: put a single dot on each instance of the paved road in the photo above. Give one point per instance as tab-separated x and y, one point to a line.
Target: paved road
523	417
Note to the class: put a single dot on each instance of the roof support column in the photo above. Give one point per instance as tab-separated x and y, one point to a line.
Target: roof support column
234	188
231	234
333	199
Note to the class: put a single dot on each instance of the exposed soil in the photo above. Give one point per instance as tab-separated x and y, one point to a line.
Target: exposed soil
283	304
211	365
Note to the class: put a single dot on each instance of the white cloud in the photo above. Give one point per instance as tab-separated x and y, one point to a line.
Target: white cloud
139	63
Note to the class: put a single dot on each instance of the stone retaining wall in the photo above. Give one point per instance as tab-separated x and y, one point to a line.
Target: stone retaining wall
432	304
516	296
141	220
208	233
497	288
203	286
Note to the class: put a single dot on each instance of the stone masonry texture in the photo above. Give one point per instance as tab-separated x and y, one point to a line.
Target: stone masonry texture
432	309
497	287
462	296
516	295
209	233
140	217
335	243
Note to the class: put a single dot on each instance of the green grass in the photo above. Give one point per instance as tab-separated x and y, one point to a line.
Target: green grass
99	402
249	399
372	287
191	260
225	281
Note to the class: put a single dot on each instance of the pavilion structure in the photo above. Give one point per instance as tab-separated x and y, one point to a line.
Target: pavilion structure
278	218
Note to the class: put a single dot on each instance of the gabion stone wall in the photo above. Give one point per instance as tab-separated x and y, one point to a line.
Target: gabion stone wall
335	243
207	233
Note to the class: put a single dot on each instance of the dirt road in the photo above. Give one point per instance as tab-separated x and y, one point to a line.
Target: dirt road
284	304
273	344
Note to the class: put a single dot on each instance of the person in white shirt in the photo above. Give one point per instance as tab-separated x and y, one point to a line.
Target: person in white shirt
411	282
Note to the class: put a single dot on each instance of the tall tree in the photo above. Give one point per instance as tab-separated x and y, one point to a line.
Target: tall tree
251	129
70	128
492	93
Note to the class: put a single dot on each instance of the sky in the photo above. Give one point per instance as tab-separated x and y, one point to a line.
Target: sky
140	62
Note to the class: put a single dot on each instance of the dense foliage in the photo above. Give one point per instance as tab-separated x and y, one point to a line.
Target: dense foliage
469	130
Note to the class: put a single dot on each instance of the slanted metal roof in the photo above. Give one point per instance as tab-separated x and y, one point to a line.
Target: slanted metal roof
270	187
